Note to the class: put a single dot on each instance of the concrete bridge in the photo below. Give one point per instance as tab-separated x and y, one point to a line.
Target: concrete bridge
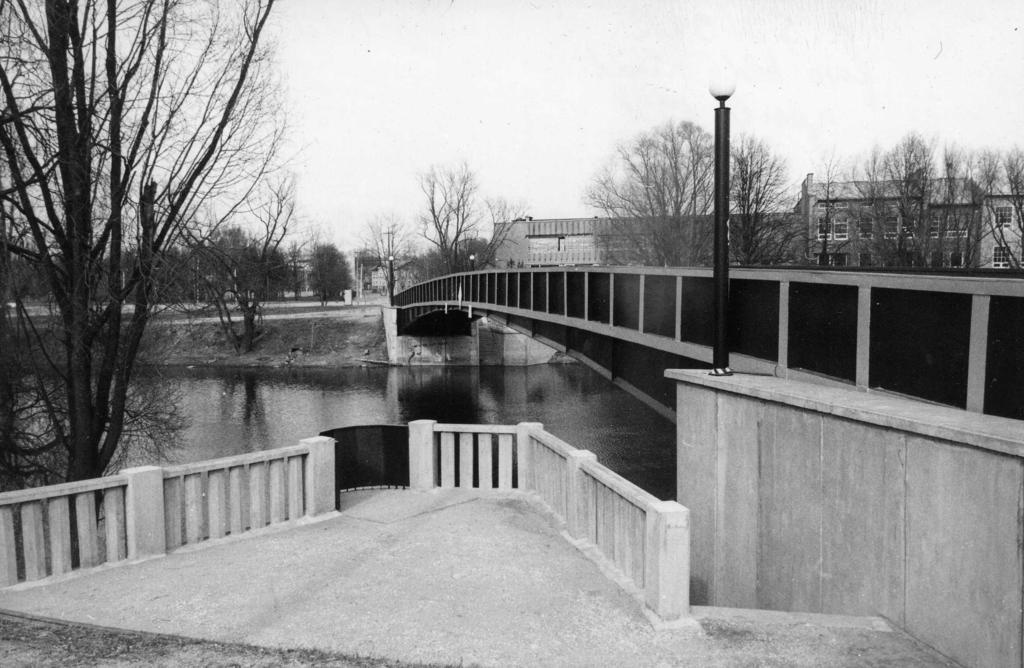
953	340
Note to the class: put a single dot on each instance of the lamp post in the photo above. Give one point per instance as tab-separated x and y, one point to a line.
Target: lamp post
391	280
721	90
472	261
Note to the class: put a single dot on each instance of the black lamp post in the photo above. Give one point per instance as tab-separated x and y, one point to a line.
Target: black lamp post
472	261
721	90
391	280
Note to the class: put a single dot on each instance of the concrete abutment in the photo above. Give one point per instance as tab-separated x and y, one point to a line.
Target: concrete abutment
806	498
490	343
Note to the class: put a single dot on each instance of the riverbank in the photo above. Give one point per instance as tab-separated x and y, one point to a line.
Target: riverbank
335	336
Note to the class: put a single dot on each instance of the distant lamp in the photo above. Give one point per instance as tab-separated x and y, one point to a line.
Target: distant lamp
721	88
391	280
472	261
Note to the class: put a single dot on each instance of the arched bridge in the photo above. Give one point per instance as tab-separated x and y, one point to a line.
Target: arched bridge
950	339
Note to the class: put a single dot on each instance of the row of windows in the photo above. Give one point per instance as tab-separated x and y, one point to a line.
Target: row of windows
1003	214
936	259
1000	259
839	230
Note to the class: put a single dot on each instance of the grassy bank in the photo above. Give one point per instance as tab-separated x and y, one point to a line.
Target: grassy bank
345	336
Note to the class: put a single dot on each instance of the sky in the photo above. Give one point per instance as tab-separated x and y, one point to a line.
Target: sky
534	96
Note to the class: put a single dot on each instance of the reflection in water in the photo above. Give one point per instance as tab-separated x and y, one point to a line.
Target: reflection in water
236	411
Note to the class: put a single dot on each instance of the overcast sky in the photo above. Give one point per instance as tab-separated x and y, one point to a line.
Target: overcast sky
534	96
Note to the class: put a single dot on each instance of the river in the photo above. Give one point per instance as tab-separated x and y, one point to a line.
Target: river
232	411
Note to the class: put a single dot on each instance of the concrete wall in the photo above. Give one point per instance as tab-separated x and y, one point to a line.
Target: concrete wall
821	499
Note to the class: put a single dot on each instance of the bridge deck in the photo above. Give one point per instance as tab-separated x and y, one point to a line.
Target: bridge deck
442	576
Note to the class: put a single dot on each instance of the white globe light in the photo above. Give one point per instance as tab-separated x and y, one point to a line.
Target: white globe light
722	87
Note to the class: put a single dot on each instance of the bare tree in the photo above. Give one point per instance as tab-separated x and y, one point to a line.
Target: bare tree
656	191
389	241
452	213
120	120
761	229
503	213
1001	177
245	267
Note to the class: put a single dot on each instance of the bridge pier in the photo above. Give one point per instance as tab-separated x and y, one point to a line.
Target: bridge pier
490	343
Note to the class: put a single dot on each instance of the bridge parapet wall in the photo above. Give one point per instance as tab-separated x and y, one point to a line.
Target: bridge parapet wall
819	499
951	339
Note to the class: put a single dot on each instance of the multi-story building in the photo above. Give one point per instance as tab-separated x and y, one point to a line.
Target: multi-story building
940	222
594	241
554	241
927	223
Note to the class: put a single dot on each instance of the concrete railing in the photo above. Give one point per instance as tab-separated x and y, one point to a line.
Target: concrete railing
646	540
146	511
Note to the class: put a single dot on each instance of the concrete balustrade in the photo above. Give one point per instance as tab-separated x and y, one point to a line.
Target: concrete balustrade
145	511
645	540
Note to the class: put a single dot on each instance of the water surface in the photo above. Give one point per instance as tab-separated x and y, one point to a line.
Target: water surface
236	411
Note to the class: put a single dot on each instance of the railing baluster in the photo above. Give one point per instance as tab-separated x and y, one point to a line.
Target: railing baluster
32	547
85	523
466	460
193	508
59	516
236	506
173	498
447	459
217	498
8	548
257	495
277	491
484	468
113	513
504	461
295	490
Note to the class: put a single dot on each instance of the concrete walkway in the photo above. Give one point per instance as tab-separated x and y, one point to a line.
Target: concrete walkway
444	576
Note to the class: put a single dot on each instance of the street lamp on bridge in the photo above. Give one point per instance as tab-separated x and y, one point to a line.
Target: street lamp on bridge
721	89
472	261
391	280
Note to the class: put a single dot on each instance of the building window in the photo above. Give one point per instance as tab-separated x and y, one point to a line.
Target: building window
933	225
935	259
1001	257
956	259
840	228
956	231
865	260
833	259
867	229
1004	216
822	228
561	243
890	227
841	205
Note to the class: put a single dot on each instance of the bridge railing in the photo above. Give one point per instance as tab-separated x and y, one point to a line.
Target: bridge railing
949	339
146	511
647	541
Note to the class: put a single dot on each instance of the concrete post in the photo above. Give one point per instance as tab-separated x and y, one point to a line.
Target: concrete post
321	494
667	563
575	504
144	512
422	473
524	453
